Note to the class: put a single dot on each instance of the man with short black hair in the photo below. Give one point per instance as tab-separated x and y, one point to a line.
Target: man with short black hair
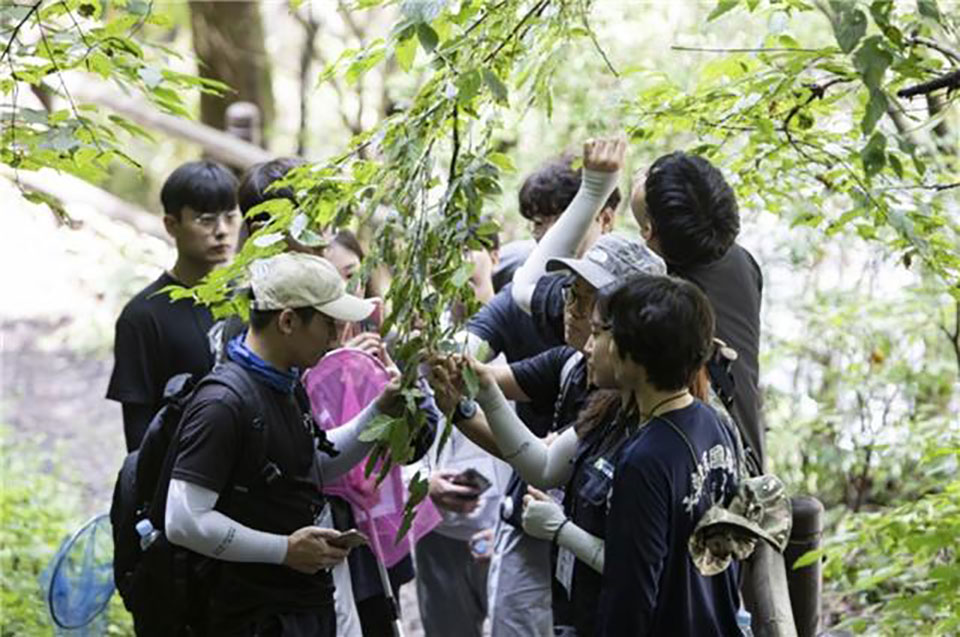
259	511
688	214
156	338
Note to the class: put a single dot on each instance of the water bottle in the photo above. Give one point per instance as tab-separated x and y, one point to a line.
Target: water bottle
148	534
743	622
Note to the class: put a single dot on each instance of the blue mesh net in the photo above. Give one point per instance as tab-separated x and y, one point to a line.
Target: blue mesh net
78	582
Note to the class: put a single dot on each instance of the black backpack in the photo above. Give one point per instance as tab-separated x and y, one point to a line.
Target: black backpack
165	588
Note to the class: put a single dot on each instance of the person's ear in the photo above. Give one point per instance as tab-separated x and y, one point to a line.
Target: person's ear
495	257
287	321
606	219
172	225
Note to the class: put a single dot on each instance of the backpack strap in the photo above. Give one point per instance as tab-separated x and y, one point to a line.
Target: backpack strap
231	376
321	442
720	369
566	377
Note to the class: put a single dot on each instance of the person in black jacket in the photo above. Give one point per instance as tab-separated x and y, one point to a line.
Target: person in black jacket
688	214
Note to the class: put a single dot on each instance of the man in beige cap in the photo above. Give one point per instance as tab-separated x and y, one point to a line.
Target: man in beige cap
246	484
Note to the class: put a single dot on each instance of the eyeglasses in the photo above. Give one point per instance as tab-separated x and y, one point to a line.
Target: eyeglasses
596	329
569	294
209	219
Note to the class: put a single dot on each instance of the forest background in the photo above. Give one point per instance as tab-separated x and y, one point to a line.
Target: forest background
836	122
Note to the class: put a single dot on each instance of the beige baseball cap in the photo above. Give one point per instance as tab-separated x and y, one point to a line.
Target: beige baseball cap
294	279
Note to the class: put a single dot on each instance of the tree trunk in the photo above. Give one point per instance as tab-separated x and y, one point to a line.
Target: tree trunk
228	38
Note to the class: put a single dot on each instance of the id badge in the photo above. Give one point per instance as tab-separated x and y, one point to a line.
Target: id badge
565	560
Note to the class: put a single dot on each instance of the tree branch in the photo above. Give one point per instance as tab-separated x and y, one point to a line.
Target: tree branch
936	46
16	29
536	10
954	336
757	50
456	145
817	91
950	81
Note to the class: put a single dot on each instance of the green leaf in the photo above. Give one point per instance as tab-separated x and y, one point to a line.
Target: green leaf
468	85
99	63
872	60
470	381
427	36
722	7
406	52
874	155
895	164
462	274
849	26
808	558
376	429
929	9
496	86
876	108
503	162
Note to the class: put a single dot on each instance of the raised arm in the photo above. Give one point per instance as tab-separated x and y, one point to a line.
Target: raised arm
602	160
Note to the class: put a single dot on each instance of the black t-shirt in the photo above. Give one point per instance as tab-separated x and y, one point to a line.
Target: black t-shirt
734	285
155	340
216	451
540	379
511	331
650	584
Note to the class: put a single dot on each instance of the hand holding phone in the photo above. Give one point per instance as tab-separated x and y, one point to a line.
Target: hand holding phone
474	479
349	540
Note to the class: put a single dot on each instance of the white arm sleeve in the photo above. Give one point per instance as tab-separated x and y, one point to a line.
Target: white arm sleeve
192	522
346	440
541	465
563	238
589	549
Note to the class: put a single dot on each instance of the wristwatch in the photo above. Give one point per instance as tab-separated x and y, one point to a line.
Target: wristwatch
465	410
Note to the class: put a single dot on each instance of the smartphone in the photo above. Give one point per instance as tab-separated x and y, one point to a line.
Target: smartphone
472	478
349	540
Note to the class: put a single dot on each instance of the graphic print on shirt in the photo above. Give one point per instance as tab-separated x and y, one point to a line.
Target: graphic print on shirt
718	459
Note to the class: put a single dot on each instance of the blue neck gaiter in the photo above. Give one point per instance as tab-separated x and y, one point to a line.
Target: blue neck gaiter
282	381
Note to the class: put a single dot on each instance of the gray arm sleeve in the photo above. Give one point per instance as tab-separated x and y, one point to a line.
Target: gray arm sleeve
564	237
346	440
192	522
589	549
541	465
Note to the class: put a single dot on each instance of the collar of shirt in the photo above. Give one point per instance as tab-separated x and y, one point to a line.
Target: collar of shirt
282	381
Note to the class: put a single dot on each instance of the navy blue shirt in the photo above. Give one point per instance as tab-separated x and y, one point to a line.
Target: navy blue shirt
511	331
650	584
542	379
